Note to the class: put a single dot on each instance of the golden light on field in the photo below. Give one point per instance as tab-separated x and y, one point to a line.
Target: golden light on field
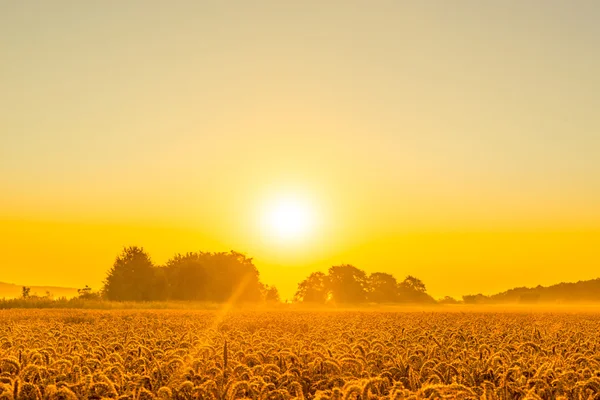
288	219
245	361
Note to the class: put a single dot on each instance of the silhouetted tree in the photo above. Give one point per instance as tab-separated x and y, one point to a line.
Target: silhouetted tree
233	277
86	293
564	292
412	290
187	277
476	299
448	300
218	277
528	298
314	289
348	284
160	287
271	294
202	276
131	277
413	284
383	288
25	292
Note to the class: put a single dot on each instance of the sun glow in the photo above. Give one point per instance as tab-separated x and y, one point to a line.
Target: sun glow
287	220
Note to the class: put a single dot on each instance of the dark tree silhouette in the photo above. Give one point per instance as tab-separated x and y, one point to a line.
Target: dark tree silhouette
383	288
448	300
233	277
314	289
412	290
218	277
84	292
187	277
160	287
202	276
476	299
271	294
564	292
348	284
413	284
132	276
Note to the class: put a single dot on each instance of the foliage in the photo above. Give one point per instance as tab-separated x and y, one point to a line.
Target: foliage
203	276
346	284
383	288
36	302
476	299
271	294
187	277
219	277
87	293
412	290
448	300
314	289
413	284
132	276
582	291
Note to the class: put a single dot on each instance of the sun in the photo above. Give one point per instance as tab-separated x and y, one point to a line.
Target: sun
288	219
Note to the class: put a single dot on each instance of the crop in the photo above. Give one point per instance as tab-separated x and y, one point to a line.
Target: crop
179	354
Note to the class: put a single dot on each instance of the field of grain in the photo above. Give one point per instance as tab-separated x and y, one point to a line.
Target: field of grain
52	354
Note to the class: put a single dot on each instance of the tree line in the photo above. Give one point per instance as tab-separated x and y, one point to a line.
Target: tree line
564	292
199	276
232	277
221	277
347	284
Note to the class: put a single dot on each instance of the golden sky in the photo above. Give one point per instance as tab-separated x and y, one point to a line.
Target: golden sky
455	141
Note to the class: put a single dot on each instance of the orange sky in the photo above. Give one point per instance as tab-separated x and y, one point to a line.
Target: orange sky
458	143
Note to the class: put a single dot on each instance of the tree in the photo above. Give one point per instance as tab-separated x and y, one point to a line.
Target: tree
529	298
233	278
271	294
383	288
202	276
25	292
414	284
86	293
160	289
219	277
448	300
476	299
348	284
132	276
412	290
187	277
314	289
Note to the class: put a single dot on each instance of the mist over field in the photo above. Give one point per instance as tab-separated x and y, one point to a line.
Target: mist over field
277	200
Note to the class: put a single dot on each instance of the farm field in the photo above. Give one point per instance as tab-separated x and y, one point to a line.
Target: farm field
190	354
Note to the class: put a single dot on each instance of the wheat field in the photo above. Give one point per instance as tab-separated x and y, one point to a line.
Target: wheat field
92	354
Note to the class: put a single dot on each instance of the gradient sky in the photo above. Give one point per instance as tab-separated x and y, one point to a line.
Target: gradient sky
458	141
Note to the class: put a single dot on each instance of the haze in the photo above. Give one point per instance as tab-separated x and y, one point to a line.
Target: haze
454	141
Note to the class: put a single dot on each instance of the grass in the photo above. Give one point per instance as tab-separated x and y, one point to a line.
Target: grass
297	354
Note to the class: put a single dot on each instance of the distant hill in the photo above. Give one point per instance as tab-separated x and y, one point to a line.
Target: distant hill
11	291
576	292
